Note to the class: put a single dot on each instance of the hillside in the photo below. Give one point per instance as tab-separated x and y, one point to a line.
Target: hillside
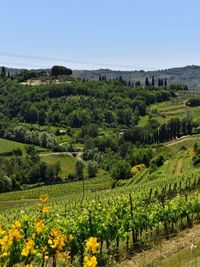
120	165
189	75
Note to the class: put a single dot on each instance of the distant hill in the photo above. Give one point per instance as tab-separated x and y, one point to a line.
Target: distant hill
189	75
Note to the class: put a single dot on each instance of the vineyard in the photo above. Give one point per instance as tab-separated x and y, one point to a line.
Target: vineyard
55	232
132	218
95	172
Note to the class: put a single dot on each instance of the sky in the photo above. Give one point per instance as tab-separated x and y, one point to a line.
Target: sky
93	34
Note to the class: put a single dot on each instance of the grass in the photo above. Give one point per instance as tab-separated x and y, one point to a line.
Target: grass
63	138
177	161
68	192
185	258
67	163
162	112
7	145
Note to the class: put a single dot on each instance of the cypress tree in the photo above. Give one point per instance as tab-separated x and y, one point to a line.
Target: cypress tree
153	81
3	72
147	82
165	83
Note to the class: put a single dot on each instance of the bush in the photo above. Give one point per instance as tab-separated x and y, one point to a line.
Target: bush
121	170
79	169
193	102
92	169
137	168
157	162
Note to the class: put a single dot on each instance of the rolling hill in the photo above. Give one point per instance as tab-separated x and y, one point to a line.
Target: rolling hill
189	75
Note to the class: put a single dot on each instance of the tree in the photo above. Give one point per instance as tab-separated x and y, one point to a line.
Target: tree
60	70
32	153
32	114
138	84
79	169
160	83
92	169
147	83
153	81
193	102
165	83
121	170
3	72
41	116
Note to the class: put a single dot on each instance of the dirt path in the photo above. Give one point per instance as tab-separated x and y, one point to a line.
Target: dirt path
161	254
179	167
181	139
77	155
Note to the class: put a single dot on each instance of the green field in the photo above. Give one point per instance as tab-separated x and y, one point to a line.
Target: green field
177	164
67	163
7	146
68	192
162	112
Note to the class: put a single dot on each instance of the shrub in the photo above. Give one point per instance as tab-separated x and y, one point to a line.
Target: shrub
121	170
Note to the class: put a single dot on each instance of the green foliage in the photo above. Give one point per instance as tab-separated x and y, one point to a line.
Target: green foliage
196	158
156	162
92	169
193	102
77	103
60	70
178	87
162	133
79	169
141	155
121	170
25	75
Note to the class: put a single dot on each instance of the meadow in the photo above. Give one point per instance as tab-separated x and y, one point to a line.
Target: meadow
8	146
162	112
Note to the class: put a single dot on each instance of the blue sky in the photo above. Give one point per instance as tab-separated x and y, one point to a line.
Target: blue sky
128	34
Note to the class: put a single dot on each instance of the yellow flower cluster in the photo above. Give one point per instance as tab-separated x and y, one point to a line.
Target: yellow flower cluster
44	198
22	244
45	209
192	153
29	247
90	261
39	226
137	168
8	237
92	245
56	240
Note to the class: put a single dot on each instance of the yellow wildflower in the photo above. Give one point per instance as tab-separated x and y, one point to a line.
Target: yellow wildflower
90	261
17	224
137	168
5	243
43	198
45	209
56	240
54	232
192	153
15	234
29	247
92	245
39	226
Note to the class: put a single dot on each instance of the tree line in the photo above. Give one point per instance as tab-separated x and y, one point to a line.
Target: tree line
174	128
